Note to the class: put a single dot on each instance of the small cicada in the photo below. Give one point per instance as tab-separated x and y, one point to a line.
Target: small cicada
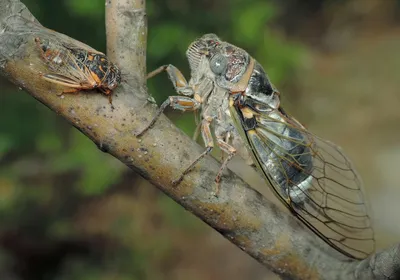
311	176
78	68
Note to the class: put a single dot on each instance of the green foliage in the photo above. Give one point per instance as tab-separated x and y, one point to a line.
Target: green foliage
250	21
5	144
86	8
169	36
99	171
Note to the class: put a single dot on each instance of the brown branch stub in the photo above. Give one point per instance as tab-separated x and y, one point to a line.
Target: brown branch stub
126	28
242	215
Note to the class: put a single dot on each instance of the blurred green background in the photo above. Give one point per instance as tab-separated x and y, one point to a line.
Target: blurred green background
69	211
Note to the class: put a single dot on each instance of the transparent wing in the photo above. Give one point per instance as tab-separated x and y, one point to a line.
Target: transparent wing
312	177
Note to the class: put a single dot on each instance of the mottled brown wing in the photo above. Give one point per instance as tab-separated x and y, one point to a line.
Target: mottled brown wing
65	67
70	72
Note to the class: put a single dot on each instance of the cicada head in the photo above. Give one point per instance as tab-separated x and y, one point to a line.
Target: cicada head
113	78
201	50
232	69
219	59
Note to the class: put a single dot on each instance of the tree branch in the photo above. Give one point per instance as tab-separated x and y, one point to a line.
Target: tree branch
126	28
240	213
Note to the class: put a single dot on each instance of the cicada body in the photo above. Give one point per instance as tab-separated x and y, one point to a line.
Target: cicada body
311	176
78	68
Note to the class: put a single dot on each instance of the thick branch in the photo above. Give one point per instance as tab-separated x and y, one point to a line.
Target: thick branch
241	214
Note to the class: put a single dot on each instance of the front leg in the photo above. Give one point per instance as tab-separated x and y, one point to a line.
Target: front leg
182	103
177	102
178	80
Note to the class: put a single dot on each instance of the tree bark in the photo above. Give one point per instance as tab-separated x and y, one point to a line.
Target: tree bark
241	214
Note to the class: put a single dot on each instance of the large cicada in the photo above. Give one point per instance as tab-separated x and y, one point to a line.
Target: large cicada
311	176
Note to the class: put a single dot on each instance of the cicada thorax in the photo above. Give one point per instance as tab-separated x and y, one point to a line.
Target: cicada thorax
105	75
78	68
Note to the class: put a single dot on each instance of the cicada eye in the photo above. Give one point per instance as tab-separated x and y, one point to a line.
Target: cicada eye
218	64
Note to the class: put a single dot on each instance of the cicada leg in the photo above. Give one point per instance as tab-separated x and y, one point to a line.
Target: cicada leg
181	86
226	140
73	86
178	80
196	131
230	151
69	91
208	141
182	103
108	93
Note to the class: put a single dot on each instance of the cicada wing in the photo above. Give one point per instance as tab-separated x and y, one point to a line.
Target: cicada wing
77	46
70	75
66	81
313	178
63	80
65	68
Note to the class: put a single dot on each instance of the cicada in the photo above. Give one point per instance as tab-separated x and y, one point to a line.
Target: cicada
78	68
311	176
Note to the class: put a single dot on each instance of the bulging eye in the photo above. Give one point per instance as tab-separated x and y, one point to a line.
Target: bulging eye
218	64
